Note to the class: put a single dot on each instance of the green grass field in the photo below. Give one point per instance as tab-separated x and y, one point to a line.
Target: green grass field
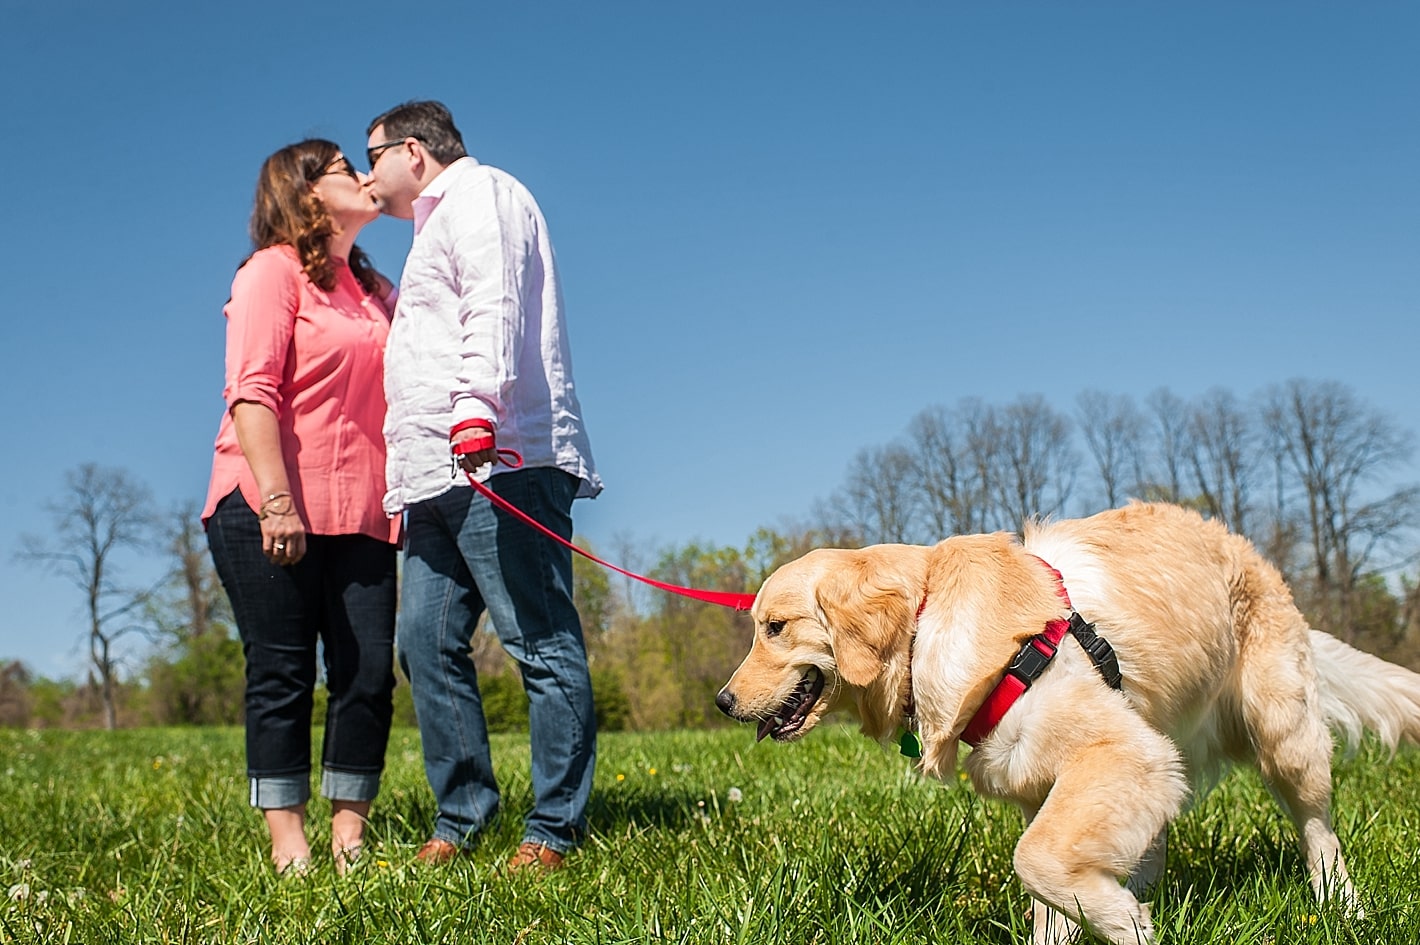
145	836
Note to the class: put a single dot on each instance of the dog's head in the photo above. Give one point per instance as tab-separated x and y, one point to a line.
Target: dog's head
832	625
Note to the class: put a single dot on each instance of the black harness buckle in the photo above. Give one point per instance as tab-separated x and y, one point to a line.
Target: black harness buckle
1030	662
1098	649
1037	652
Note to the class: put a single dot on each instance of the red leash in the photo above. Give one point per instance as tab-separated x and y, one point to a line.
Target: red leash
513	459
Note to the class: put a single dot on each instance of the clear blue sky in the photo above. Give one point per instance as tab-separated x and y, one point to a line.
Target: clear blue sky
785	228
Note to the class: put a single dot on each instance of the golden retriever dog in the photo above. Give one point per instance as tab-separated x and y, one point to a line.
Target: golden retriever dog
1217	665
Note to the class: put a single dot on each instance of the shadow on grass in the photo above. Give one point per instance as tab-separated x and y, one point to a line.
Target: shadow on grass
408	817
663	809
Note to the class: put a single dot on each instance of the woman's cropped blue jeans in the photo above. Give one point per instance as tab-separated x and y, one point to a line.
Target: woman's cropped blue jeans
340	595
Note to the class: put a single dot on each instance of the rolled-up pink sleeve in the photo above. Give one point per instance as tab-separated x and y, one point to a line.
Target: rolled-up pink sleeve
260	319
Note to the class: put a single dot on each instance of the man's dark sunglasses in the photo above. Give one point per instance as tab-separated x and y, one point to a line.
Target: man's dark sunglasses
373	154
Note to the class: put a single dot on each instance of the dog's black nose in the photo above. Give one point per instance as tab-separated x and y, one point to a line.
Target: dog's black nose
725	701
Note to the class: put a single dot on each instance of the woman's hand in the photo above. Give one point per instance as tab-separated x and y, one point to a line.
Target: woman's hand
283	534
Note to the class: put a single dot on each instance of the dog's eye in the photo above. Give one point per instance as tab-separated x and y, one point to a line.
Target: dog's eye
774	628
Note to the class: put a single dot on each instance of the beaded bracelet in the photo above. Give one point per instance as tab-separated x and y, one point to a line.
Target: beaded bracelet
266	508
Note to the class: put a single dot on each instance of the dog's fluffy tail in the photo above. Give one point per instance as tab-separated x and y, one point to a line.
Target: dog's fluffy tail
1364	692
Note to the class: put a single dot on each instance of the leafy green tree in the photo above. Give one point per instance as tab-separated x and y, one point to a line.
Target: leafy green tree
198	682
592	593
197	678
700	644
15	682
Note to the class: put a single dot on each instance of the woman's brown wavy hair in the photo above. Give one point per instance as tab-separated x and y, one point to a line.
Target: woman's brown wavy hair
288	212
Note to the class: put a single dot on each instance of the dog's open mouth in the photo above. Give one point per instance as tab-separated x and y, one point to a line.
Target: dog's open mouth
789	717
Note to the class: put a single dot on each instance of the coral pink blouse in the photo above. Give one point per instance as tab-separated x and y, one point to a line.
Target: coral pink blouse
316	358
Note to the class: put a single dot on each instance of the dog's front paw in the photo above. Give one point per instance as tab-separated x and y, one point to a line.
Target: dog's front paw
1049	927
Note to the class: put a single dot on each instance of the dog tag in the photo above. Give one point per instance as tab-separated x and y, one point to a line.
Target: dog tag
910	745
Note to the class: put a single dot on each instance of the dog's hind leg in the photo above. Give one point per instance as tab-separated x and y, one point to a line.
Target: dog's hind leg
1280	708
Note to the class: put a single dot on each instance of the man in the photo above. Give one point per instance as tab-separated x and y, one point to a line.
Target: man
478	359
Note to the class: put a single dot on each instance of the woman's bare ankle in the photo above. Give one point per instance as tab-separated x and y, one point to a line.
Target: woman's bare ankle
347	831
290	850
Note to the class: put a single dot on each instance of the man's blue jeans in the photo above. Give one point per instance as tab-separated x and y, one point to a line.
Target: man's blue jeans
462	556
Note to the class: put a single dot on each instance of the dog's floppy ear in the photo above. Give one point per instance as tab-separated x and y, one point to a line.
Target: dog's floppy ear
869	612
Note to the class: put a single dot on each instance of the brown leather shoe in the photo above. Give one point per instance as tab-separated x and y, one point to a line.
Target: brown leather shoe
535	858
437	852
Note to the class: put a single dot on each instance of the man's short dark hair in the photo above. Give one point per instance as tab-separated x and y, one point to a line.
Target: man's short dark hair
430	122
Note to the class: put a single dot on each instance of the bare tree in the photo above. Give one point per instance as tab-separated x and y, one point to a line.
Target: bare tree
1170	416
1335	447
951	490
1222	454
1113	430
103	513
193	603
879	499
981	433
1034	463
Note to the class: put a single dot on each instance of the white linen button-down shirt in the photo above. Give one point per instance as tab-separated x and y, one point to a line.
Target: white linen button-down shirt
479	333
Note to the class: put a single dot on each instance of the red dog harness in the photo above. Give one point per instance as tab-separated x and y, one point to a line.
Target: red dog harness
1032	659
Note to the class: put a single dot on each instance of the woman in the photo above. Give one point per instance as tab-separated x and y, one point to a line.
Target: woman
293	510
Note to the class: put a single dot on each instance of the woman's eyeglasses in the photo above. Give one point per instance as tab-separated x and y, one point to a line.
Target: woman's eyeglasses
340	165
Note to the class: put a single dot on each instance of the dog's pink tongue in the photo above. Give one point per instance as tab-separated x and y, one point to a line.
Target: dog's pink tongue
765	727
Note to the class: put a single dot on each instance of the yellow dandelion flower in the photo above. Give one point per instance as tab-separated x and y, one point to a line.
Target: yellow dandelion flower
651	771
621	777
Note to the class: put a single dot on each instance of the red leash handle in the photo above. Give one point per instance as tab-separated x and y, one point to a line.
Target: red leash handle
741	602
508	457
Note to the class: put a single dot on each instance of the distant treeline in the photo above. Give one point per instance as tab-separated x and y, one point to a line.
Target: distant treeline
1316	478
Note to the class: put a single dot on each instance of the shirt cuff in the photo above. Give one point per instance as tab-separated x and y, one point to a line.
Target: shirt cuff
254	394
471	408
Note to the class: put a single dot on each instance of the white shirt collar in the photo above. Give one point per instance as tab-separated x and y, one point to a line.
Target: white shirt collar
430	196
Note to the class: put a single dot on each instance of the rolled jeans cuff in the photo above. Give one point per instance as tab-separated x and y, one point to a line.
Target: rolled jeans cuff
349	785
279	792
561	847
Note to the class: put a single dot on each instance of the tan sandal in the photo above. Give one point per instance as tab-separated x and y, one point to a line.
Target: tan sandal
298	867
346	858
